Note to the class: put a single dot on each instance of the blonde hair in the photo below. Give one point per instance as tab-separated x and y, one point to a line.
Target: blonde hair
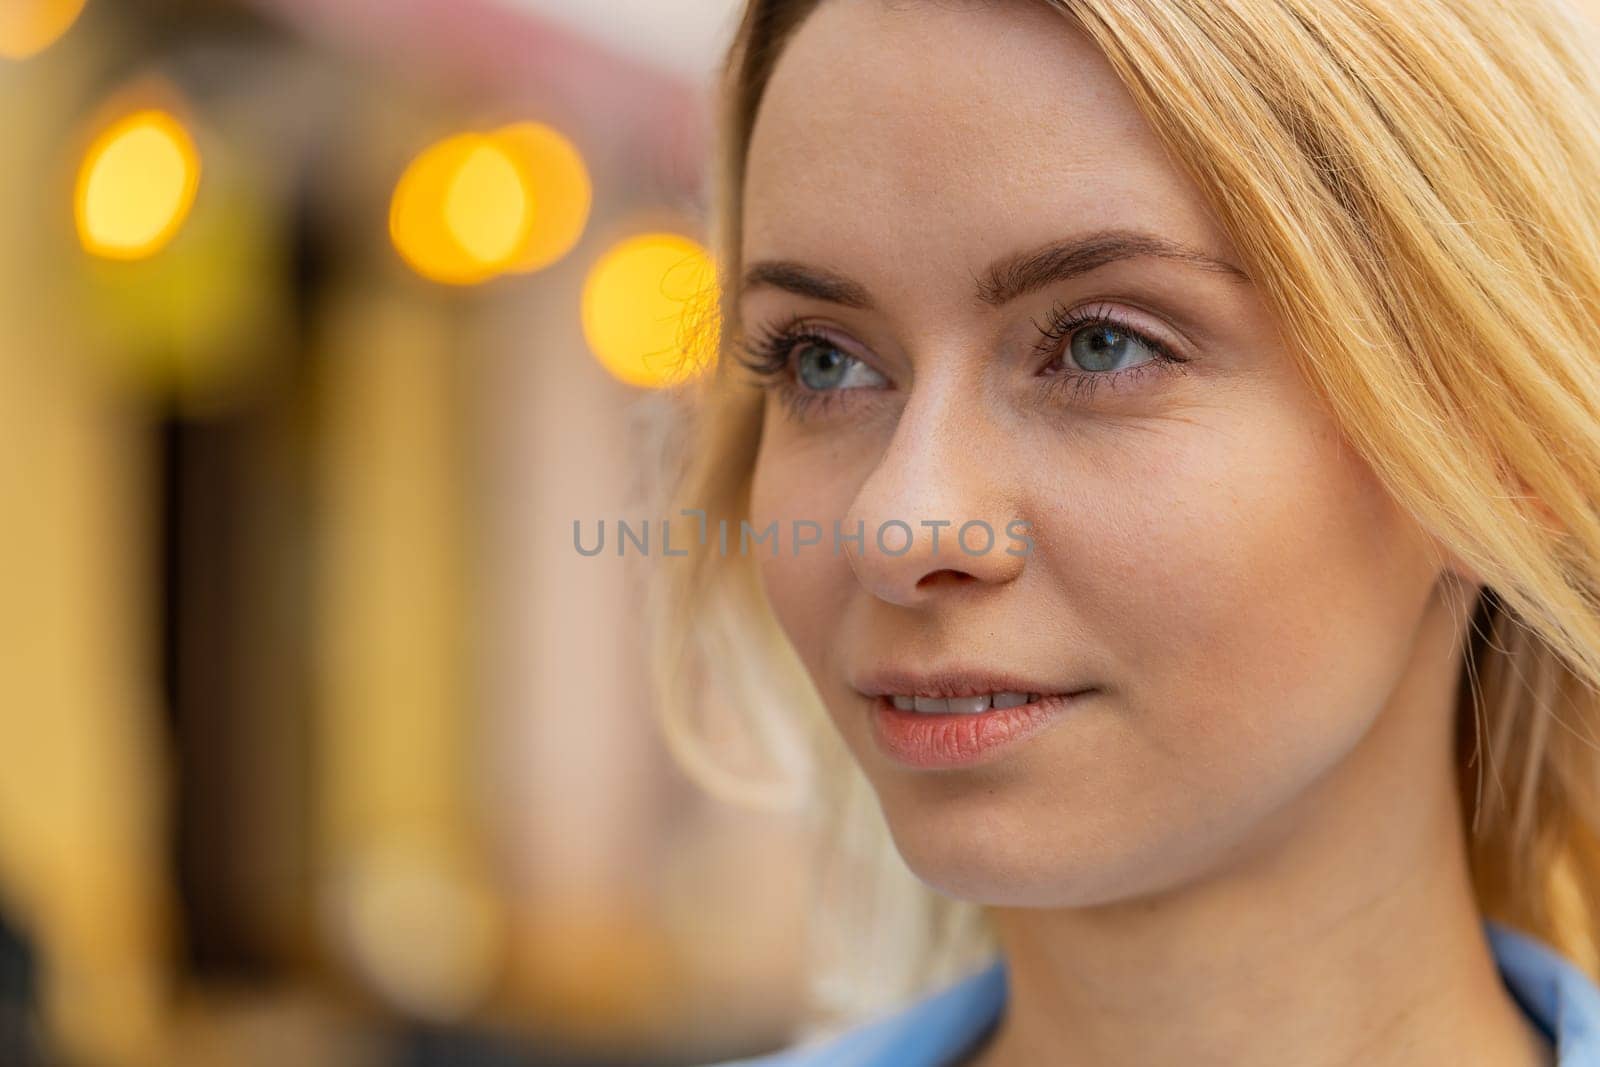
1413	186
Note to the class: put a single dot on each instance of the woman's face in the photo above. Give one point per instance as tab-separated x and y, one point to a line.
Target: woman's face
1206	553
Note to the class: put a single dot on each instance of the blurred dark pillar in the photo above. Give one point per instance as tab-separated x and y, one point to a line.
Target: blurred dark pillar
237	637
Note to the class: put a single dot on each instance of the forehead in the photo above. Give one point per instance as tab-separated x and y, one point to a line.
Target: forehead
898	139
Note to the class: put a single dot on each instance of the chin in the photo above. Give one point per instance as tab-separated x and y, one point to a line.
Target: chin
979	861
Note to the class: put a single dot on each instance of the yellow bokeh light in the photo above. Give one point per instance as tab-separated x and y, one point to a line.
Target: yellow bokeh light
477	205
486	206
559	187
461	210
416	216
28	27
649	309
136	186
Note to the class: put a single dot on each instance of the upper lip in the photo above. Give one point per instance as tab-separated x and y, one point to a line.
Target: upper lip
954	681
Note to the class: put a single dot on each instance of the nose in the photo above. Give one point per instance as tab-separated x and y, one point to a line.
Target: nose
938	512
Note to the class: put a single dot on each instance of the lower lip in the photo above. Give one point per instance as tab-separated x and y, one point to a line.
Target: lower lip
919	739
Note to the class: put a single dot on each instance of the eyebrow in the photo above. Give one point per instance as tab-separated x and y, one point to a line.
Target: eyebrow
1007	278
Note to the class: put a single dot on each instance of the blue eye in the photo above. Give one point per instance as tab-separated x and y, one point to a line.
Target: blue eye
1104	347
807	369
1099	350
820	367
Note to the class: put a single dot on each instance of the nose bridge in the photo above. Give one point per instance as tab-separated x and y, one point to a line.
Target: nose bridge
936	508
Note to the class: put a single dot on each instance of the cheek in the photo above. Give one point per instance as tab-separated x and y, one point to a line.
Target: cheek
809	589
1258	601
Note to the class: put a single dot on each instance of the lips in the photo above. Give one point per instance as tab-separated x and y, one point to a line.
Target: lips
958	682
931	740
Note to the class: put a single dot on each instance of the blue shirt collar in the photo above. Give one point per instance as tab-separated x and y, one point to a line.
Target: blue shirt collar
943	1026
1553	992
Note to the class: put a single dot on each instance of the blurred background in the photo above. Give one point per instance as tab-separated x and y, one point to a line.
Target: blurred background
321	322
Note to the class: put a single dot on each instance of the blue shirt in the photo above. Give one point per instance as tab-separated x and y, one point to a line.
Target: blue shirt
944	1026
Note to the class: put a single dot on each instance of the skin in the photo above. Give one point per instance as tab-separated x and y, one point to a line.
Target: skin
1245	847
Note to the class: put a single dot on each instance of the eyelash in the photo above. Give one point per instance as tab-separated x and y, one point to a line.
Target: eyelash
770	357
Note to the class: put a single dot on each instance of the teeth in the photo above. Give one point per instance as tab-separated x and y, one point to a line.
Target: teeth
963	705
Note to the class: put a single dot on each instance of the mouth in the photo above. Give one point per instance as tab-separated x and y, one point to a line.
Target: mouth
958	690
